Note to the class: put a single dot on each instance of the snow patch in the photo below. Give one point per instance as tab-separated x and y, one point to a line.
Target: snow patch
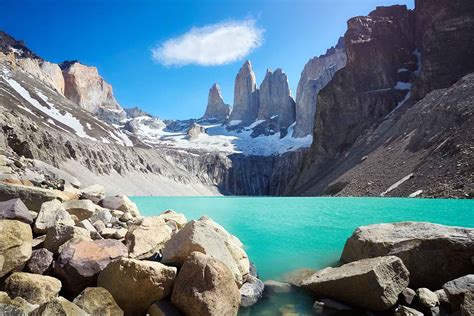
415	194
397	184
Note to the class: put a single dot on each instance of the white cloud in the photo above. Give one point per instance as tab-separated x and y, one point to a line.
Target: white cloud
211	45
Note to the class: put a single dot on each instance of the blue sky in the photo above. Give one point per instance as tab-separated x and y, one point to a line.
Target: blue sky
118	37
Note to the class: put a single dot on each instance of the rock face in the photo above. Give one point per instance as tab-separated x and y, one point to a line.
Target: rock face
98	301
205	286
216	108
441	38
80	262
36	289
15	245
245	107
316	74
85	87
370	283
15	209
135	285
275	99
434	254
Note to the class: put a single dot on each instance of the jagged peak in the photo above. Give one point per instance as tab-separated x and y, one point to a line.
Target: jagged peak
8	44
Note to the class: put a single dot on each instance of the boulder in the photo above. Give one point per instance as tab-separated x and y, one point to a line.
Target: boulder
135	284
296	277
457	289
40	261
95	193
434	254
467	306
172	216
52	213
147	237
121	203
163	308
59	235
33	197
15	245
407	296
86	224
80	262
83	209
205	286
251	291
98	301
206	237
277	287
101	214
17	306
407	311
369	283
427	298
35	288
59	306
442	297
15	209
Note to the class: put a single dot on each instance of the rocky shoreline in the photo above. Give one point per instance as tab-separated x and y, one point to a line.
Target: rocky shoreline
68	250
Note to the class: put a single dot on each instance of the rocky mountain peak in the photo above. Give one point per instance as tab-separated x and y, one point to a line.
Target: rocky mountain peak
9	45
245	107
216	108
135	112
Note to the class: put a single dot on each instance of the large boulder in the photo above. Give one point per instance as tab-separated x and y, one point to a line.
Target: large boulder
95	193
147	237
35	288
208	237
98	301
121	203
172	216
15	209
369	283
163	308
82	209
15	245
59	235
434	254
40	261
80	262
135	284
205	286
251	291
457	289
59	306
52	213
33	197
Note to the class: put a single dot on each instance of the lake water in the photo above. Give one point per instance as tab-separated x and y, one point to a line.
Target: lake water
282	234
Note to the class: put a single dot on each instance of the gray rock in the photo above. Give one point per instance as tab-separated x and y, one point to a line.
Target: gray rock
194	131
40	261
59	306
163	308
434	254
457	289
245	107
52	213
277	287
59	235
407	296
15	209
375	283
121	203
83	209
86	224
35	288
101	214
296	277
15	245
216	108
15	307
251	291
442	297
407	311
95	193
427	298
467	306
98	301
147	237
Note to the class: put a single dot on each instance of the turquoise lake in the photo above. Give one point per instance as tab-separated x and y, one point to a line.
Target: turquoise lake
282	234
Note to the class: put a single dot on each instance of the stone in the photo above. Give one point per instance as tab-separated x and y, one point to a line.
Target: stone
205	237
467	306
101	214
120	233
316	74
195	131
407	311
59	306
326	305
407	296
275	100
15	245
205	286
457	289
442	297
374	283
40	261
80	263
427	298
59	235
35	288
83	209
121	203
33	197
296	277
216	108
245	107
98	301
108	232
52	213
86	224
38	242
15	209
17	306
135	284
251	291
163	308
277	287
95	193
147	237
434	254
